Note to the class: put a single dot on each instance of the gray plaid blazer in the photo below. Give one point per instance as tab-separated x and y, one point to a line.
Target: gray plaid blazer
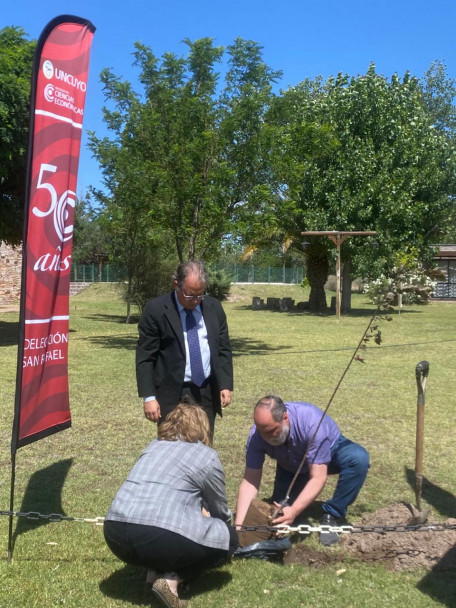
168	486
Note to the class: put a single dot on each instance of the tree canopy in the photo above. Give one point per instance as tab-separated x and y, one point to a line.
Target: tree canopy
187	151
16	60
364	153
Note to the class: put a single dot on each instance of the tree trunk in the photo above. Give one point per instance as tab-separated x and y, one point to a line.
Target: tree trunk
317	269
129	299
178	248
345	307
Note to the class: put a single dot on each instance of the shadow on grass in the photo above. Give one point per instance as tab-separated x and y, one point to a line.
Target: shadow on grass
123	341
368	312
355	312
134	319
128	585
441	500
238	346
9	333
242	347
209	581
440	582
245	346
43	494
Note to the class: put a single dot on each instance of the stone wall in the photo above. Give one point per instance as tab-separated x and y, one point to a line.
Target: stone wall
10	274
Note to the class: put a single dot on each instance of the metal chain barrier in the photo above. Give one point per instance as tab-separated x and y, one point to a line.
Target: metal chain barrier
348	529
281	529
53	517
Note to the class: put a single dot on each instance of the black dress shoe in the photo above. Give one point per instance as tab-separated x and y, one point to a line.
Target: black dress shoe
328	538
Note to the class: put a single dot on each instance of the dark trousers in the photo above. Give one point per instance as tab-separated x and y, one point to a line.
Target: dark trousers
201	395
348	460
164	551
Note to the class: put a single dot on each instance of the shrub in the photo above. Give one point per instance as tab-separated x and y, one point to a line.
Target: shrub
152	276
407	277
416	287
219	284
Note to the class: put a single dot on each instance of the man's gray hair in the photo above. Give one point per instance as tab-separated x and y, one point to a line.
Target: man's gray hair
274	404
187	269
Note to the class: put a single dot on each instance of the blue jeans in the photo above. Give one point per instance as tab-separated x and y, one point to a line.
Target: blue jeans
348	460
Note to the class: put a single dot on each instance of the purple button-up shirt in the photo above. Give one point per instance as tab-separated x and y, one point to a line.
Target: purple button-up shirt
304	418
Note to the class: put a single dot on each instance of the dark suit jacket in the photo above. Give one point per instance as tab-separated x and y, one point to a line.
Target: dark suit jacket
160	353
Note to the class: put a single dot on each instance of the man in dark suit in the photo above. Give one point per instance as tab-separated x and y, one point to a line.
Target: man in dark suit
184	348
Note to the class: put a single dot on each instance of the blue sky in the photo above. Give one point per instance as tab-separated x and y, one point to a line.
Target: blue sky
301	38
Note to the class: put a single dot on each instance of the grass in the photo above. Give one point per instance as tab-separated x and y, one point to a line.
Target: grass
298	356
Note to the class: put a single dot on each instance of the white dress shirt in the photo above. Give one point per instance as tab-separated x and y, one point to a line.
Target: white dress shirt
202	336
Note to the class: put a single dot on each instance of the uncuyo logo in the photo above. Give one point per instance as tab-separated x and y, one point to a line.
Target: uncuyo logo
48	69
49	92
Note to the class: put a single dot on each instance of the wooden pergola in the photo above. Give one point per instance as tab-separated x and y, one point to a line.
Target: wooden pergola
338	237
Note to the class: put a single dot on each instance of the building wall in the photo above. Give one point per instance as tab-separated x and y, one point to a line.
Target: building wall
10	274
446	261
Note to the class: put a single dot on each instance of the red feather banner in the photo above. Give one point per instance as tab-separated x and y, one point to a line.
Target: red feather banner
57	110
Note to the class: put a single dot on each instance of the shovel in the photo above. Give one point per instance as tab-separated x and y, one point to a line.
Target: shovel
421	373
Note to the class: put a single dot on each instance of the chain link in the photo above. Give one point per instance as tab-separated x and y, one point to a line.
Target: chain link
281	529
53	517
347	529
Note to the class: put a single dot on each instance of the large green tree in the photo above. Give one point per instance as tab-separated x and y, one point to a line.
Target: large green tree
16	59
187	153
363	153
439	94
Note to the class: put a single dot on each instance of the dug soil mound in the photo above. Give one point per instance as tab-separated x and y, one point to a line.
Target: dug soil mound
396	550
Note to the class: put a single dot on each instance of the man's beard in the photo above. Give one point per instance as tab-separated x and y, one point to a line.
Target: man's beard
280	439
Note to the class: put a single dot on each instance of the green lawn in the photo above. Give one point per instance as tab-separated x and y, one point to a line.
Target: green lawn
298	356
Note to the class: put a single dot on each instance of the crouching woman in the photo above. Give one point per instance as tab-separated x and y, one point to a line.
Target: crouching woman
171	514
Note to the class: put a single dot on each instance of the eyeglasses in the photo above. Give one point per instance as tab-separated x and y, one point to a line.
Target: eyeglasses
199	297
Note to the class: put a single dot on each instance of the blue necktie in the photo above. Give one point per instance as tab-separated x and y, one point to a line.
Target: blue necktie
196	362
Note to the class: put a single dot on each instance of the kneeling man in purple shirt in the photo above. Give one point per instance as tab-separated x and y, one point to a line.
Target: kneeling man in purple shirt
284	432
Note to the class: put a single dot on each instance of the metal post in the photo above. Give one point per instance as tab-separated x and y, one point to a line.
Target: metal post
338	280
337	239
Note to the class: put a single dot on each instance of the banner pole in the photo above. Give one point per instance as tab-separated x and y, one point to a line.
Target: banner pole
10	527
